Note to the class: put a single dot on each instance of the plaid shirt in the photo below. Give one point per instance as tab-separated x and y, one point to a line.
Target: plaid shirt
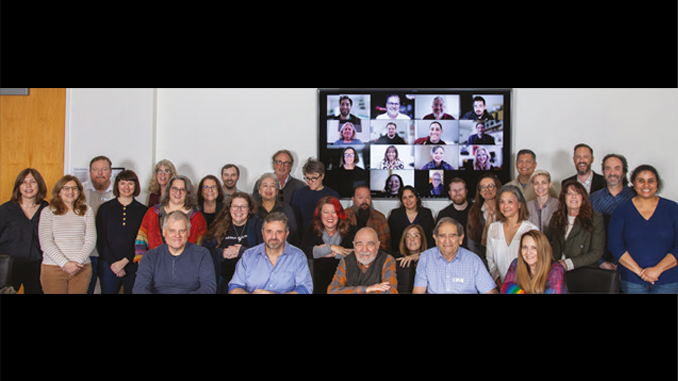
388	273
378	222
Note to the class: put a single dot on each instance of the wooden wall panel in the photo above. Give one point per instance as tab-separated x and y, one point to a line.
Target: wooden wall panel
32	131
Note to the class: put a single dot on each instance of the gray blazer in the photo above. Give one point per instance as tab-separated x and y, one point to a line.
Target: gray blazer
546	213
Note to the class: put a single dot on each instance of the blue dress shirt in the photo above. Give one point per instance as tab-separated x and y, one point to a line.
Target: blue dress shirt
255	271
465	274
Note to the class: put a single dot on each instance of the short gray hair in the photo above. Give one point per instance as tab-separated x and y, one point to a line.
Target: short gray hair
449	220
268	175
177	215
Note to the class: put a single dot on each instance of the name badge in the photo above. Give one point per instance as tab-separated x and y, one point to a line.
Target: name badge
458	280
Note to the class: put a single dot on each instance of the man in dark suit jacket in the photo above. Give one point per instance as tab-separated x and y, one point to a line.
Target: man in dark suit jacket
583	158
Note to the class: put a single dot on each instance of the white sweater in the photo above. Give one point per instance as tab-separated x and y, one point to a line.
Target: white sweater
68	237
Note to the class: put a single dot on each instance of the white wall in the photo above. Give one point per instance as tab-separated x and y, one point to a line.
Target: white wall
202	129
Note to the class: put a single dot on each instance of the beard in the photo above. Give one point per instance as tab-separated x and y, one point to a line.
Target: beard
274	244
362	211
366	258
100	185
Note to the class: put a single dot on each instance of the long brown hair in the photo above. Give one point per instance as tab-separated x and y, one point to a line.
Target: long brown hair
403	245
42	187
534	283
223	220
585	216
344	225
58	205
473	226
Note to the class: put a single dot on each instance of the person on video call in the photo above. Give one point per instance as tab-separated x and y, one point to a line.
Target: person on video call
480	137
393	109
479	112
435	130
437	162
345	106
391	136
438	107
348	138
436	185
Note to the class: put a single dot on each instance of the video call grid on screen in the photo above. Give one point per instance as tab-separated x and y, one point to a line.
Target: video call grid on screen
387	139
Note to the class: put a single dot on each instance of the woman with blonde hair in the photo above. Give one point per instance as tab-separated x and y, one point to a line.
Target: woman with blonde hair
163	171
67	235
534	271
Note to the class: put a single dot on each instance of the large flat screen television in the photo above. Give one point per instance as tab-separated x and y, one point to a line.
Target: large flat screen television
390	138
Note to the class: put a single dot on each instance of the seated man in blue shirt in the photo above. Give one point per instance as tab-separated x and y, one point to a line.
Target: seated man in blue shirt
177	266
273	267
449	268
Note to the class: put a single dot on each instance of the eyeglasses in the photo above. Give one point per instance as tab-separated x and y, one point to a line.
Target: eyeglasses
178	190
285	163
312	179
67	188
208	187
410	236
240	207
487	187
159	171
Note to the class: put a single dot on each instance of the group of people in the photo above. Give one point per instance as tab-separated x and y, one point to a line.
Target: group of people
289	236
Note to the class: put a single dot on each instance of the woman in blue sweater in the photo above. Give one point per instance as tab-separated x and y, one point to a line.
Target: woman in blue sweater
643	237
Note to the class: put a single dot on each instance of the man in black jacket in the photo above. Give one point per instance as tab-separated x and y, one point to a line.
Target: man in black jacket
583	158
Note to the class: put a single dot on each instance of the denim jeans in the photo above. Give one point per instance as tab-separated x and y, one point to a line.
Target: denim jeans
648	288
110	283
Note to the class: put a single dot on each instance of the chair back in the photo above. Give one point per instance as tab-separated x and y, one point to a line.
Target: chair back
6	262
592	280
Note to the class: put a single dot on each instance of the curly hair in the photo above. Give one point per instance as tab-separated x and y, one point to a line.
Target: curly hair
224	220
153	186
58	205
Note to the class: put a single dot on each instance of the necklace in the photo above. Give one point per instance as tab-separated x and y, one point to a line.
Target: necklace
239	236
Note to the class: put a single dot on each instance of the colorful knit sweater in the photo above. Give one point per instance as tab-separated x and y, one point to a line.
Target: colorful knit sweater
150	234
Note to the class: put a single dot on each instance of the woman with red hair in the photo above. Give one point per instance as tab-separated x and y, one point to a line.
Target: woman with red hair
327	240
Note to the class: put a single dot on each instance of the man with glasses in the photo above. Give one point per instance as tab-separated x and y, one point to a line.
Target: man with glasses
283	161
450	269
393	109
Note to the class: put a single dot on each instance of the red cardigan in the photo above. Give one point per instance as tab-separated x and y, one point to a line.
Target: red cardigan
150	236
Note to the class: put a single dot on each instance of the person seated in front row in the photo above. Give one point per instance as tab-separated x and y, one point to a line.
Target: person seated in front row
273	267
534	271
327	240
177	266
449	268
367	269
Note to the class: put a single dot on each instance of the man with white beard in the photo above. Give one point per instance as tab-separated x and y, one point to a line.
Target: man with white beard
604	201
367	269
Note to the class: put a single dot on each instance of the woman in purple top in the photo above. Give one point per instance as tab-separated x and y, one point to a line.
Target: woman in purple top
534	271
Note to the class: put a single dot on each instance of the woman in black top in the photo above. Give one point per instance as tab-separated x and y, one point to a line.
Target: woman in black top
410	212
19	218
118	223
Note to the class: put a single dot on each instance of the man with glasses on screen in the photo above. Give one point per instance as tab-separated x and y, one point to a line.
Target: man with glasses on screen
283	161
393	109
